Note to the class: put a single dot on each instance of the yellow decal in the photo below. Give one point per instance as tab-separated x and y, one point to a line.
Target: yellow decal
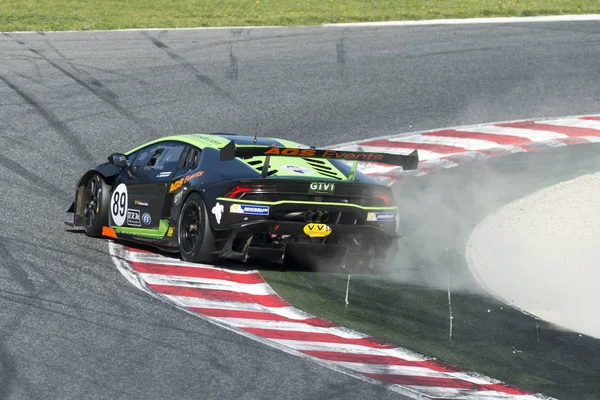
317	230
179	182
170	231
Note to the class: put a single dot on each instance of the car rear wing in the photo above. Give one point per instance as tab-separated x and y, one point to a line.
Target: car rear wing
231	151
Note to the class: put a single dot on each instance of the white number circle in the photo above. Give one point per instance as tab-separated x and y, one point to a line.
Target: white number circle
118	204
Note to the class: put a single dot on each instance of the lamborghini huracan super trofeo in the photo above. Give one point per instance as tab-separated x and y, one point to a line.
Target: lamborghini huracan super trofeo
225	196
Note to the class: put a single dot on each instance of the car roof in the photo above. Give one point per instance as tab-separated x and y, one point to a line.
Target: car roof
218	140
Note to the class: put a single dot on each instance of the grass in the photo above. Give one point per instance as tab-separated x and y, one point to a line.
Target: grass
53	15
487	337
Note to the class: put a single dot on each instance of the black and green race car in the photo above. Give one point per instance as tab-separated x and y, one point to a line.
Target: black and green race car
225	196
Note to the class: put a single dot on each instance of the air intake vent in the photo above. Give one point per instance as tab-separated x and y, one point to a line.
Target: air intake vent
258	163
323	168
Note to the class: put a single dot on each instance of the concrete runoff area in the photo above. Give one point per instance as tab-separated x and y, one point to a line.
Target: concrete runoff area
540	253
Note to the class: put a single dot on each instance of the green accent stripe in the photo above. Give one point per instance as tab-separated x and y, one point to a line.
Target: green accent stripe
145	232
276	203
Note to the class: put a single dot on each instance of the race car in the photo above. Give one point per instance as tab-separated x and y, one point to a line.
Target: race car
225	196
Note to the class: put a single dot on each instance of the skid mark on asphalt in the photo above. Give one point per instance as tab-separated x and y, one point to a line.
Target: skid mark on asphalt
46	188
189	67
232	71
70	137
9	374
106	95
15	269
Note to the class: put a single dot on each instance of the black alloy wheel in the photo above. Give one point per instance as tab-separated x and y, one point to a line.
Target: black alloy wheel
196	238
91	203
189	229
95	205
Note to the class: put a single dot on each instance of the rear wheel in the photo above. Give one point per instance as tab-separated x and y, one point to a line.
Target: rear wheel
371	256
95	199
196	239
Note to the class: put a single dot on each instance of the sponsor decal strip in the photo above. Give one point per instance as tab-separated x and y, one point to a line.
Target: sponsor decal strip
243	301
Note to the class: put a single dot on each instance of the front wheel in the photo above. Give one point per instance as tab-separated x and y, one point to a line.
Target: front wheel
196	239
96	199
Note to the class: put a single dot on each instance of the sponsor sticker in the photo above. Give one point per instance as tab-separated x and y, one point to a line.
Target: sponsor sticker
380	216
297	169
146	219
321	187
164	174
333	154
140	203
133	217
217	211
170	231
118	204
179	182
249	209
317	230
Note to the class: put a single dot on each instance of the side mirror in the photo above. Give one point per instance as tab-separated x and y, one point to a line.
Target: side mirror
118	160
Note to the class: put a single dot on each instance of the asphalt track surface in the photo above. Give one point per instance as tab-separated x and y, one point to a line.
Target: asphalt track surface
70	325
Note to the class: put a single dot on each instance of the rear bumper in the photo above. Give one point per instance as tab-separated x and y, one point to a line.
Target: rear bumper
338	241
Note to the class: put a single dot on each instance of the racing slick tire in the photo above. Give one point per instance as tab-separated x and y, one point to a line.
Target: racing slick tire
96	201
195	237
376	259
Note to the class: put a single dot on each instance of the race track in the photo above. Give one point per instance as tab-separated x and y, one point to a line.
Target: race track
72	326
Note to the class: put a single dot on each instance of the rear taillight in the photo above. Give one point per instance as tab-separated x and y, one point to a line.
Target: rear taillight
238	191
384	198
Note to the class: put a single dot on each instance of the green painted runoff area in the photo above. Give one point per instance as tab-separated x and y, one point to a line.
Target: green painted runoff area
486	336
36	15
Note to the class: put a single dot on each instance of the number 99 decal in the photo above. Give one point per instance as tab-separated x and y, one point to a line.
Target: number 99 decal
118	205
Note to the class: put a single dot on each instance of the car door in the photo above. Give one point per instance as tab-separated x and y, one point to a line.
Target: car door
137	200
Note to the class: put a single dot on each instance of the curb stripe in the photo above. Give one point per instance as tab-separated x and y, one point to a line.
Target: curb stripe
410	370
591	118
377	359
435	148
578	123
531	134
210	284
445	382
270	300
196	272
491	137
224	313
294	326
570	131
317	337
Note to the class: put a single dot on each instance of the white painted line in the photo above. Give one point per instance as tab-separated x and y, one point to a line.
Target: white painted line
429	22
465	21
